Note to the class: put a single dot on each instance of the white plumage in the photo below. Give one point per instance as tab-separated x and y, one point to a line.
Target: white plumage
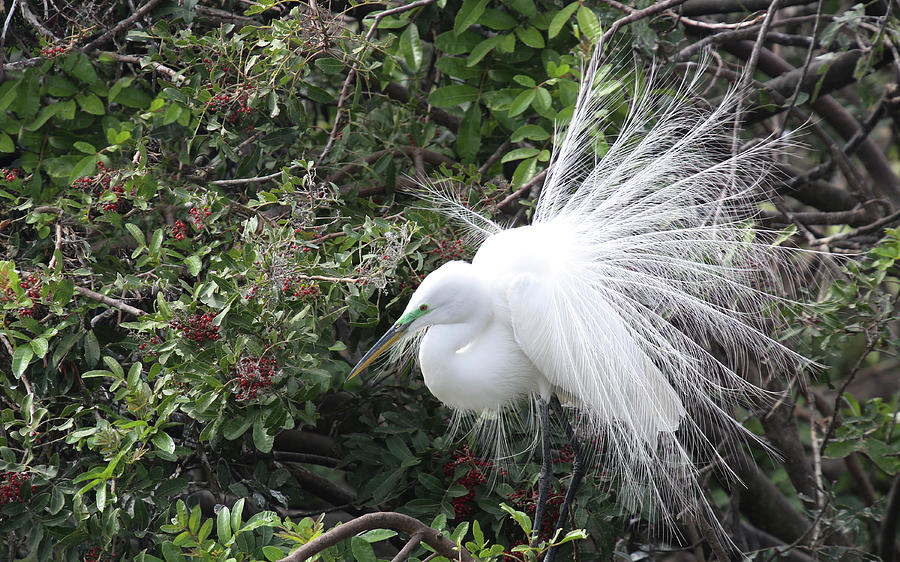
635	294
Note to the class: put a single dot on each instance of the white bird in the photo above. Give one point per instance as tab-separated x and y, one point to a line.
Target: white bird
636	294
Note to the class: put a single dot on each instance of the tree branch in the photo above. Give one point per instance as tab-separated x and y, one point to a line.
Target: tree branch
115	303
125	23
381	520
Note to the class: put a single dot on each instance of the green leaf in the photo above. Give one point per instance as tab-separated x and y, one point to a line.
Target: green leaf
171	552
136	233
272	553
223	525
560	18
524	171
85	147
377	535
6	143
530	132
193	264
530	36
411	47
468	14
496	19
448	96
329	65
40	346
542	100
236	512
468	139
120	84
43	116
362	551
518	154
164	442
520	517
84	167
482	49
8	91
522	102
114	366
236	426
261	438
588	23
523	80
90	103
134	375
91	348
21	358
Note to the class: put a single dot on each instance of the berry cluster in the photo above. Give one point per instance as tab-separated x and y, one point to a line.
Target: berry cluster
11	487
145	346
51	52
233	105
310	289
100	183
253	374
565	454
32	287
412	281
198	214
9	175
462	506
179	230
93	555
197	328
449	250
183	387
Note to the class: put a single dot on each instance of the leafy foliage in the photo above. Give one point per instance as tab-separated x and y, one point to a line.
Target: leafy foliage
203	225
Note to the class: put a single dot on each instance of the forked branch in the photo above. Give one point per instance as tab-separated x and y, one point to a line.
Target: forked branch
382	520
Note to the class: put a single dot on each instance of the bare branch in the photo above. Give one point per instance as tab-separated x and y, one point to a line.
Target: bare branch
115	303
125	23
173	75
636	15
381	520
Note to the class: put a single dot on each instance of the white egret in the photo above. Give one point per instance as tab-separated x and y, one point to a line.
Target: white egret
635	295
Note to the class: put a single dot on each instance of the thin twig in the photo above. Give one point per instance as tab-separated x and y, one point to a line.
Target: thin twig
638	15
56	246
32	19
351	75
524	189
138	14
806	63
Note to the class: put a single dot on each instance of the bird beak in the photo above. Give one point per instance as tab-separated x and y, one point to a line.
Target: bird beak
382	345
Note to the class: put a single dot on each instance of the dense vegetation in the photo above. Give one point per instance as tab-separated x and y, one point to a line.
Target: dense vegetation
204	223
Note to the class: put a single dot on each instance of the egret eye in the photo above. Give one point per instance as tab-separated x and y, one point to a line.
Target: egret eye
423	307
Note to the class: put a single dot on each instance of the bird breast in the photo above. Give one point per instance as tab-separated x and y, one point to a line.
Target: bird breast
476	372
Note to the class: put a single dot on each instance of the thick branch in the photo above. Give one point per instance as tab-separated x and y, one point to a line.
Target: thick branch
115	303
833	112
320	486
889	523
693	8
381	520
173	75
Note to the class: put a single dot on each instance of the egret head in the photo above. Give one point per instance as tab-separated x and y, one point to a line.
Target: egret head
445	297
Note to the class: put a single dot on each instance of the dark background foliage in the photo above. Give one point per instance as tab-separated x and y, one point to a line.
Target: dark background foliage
203	224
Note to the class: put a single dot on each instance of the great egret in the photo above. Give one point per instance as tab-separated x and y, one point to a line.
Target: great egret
636	294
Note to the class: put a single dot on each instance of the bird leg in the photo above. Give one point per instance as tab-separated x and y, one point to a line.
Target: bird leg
546	469
578	470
